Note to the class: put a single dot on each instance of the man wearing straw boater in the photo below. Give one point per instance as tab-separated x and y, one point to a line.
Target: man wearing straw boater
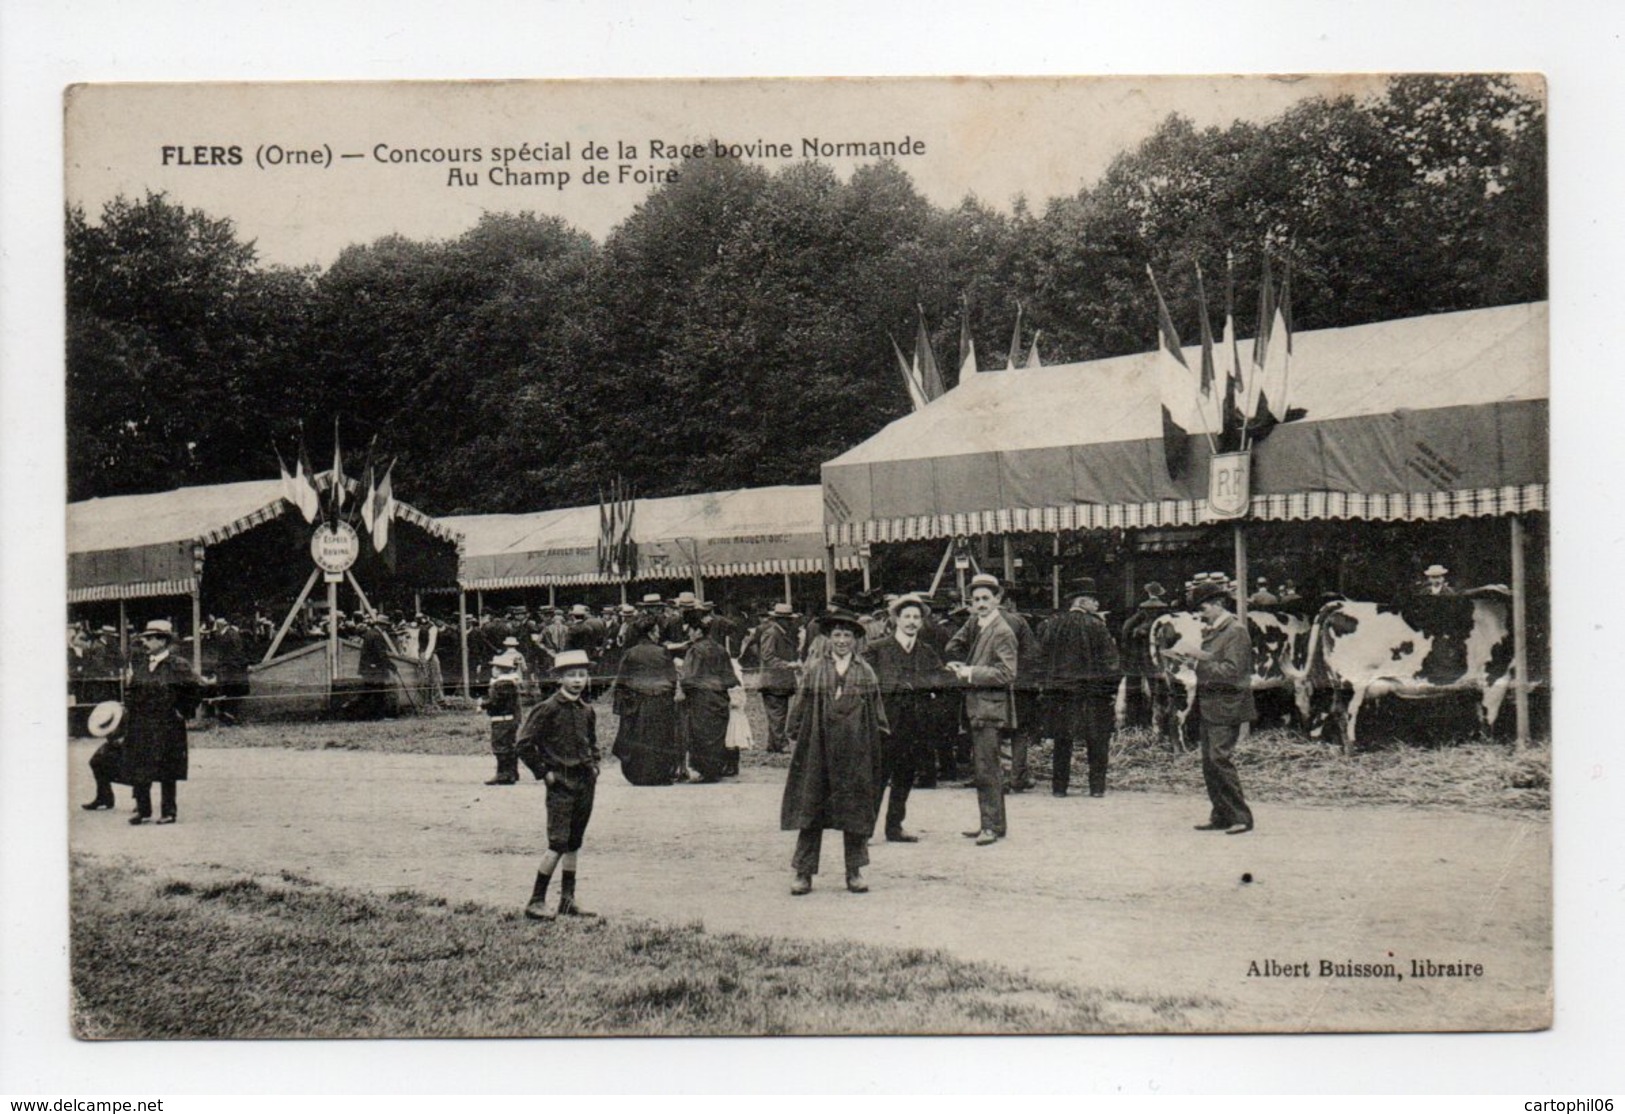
777	650
983	658
562	733
1224	697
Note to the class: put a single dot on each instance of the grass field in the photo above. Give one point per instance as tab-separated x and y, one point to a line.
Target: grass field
217	954
1275	764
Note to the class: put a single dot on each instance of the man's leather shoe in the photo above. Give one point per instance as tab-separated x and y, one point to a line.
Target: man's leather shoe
972	835
166	819
503	781
536	911
569	908
139	819
1057	792
900	836
92	806
856	884
985	838
1210	827
802	885
1238	829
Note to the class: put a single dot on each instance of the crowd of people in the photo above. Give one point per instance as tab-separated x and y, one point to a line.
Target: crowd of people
872	699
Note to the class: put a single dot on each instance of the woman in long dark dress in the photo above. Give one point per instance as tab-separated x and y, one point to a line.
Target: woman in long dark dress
706	677
160	693
835	763
645	701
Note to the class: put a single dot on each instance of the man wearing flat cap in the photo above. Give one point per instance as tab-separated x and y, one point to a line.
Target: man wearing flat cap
1081	671
982	656
1224	698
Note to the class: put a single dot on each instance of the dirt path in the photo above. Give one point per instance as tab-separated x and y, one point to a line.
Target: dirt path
1113	893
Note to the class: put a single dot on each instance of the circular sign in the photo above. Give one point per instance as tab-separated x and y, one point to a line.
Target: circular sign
334	549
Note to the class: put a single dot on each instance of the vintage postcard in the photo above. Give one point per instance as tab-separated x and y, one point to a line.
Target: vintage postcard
761	557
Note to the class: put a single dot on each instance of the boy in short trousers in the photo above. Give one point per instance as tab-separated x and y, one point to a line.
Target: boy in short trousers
562	731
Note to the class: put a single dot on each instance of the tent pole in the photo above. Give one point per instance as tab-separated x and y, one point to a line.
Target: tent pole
1241	597
788	596
479	600
332	638
942	567
282	631
123	632
1520	632
623	593
462	634
1128	579
197	625
1055	571
417	603
829	576
1009	560
1241	574
864	561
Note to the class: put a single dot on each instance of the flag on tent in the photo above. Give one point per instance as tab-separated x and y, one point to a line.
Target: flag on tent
1261	344
967	344
380	507
1014	357
1209	395
1272	405
369	491
309	501
911	383
1176	386
338	490
1033	358
1235	383
617	552
289	492
926	361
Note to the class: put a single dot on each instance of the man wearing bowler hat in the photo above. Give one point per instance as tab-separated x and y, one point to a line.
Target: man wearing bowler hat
910	674
1224	697
161	692
982	656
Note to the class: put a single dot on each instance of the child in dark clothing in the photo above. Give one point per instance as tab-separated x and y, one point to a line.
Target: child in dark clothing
502	706
562	732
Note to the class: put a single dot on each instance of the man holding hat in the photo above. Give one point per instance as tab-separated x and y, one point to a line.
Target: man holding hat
1081	668
909	672
835	763
562	733
777	651
1224	697
160	694
983	658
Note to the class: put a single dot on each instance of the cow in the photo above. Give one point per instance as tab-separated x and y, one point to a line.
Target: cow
1426	647
1280	642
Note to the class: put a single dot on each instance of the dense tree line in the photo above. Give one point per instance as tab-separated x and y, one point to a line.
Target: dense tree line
733	330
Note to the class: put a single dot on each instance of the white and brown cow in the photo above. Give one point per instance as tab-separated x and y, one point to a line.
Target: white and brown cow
1427	647
1280	648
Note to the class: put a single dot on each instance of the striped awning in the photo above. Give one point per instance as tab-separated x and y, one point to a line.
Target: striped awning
1295	507
132	591
793	566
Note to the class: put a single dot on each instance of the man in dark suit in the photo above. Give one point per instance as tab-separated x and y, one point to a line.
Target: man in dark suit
910	673
1081	671
777	650
1224	696
983	658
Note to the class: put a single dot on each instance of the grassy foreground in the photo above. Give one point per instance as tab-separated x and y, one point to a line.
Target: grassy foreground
222	955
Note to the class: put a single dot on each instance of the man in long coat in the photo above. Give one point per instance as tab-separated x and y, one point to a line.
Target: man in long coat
160	694
835	765
705	679
1081	673
983	657
910	674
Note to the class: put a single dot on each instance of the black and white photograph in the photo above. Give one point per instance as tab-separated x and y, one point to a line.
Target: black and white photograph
808	557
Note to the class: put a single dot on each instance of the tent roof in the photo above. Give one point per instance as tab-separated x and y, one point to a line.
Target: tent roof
741	532
1450	359
183	515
